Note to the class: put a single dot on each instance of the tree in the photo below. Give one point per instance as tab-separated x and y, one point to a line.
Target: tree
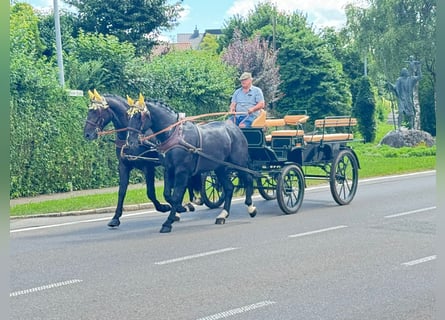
390	31
138	22
311	78
364	110
98	61
254	55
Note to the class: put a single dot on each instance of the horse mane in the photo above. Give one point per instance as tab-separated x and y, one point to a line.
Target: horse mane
119	99
160	103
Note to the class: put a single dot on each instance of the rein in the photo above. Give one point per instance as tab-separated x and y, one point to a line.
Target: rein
105	132
191	118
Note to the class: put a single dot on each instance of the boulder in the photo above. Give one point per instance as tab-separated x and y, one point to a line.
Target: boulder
408	138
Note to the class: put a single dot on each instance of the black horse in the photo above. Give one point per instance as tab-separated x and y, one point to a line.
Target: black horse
108	108
188	149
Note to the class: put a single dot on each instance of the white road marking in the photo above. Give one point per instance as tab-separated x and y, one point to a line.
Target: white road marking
408	212
76	222
229	313
193	256
46	287
316	231
421	260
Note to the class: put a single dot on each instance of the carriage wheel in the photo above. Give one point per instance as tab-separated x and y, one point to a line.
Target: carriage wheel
344	177
290	189
267	187
212	193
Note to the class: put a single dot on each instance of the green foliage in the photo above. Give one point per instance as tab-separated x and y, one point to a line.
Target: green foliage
255	55
194	82
129	21
209	43
98	61
427	104
68	31
23	31
388	32
47	150
313	79
364	110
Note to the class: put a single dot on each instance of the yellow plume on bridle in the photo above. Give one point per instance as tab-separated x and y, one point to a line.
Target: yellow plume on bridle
136	106
97	101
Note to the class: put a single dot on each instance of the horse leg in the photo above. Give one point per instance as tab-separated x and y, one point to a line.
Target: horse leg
149	172
248	183
193	185
124	178
169	180
227	185
176	202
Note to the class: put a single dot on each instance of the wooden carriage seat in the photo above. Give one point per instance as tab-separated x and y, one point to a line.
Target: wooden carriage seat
322	124
275	123
295	119
260	121
291	120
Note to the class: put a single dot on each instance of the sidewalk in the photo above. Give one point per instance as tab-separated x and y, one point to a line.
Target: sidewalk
65	195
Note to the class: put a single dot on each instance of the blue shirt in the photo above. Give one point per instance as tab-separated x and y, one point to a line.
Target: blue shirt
245	100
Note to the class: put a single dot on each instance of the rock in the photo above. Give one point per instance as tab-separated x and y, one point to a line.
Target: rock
408	138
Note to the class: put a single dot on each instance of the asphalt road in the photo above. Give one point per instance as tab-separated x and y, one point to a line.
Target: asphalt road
372	259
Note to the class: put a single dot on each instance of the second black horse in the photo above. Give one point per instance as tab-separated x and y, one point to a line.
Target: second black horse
188	149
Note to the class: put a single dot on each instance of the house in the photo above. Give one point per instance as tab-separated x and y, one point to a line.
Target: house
185	41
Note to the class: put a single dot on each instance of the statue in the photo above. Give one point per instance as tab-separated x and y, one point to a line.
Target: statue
404	90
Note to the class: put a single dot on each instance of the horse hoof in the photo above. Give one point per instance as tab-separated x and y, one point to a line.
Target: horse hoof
253	214
190	207
220	221
114	223
176	218
165	229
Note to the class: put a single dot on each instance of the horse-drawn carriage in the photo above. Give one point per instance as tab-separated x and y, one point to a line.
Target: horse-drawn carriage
285	156
274	156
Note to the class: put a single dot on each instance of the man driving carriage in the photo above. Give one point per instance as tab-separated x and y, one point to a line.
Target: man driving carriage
247	101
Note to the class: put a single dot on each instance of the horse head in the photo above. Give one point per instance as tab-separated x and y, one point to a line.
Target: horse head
139	123
98	115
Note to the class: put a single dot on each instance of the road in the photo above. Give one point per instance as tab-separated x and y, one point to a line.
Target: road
372	259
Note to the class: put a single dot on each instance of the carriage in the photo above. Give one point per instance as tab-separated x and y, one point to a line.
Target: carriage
283	156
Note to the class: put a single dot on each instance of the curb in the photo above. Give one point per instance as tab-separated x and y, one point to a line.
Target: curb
131	207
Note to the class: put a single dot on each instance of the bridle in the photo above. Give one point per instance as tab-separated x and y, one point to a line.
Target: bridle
101	106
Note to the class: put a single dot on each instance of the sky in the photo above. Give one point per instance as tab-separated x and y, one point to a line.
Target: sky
206	14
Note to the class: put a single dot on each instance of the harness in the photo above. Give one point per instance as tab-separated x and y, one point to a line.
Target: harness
176	140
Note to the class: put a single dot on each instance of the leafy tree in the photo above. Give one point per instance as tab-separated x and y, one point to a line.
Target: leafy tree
68	30
209	43
389	32
98	61
191	81
364	110
255	56
138	21
311	77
